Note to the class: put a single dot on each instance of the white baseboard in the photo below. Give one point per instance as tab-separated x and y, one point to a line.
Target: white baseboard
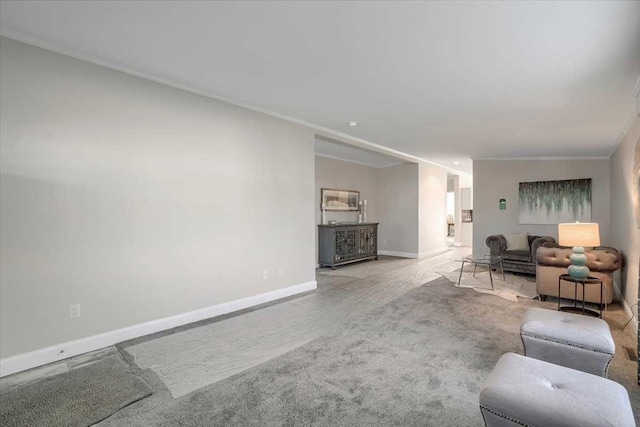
623	302
398	254
433	252
22	362
457	244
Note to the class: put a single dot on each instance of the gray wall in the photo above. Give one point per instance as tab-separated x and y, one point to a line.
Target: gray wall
342	175
408	200
497	179
433	209
466	228
337	174
625	234
137	200
399	208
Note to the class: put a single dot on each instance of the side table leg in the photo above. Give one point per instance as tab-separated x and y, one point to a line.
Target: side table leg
601	286
460	277
559	279
490	278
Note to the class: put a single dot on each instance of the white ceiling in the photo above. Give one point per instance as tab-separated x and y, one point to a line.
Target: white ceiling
443	81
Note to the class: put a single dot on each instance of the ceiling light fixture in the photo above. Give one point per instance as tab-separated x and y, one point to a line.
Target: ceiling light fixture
456	163
353	124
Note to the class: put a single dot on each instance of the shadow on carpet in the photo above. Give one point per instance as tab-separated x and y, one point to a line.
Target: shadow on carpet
80	397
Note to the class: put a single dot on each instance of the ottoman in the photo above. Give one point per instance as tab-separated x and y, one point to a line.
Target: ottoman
571	340
521	391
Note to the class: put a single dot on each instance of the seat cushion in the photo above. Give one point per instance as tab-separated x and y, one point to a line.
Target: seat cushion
536	393
524	256
572	329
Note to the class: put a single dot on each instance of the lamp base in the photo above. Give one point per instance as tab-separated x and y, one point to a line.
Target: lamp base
578	268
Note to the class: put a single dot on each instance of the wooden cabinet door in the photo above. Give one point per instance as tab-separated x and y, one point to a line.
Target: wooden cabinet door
345	244
367	241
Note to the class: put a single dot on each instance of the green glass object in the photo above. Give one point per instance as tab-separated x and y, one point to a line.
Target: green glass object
578	268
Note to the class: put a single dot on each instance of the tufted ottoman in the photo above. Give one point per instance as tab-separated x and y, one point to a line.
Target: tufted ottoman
572	340
522	391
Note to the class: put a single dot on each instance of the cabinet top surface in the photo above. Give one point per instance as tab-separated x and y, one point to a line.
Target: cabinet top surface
348	224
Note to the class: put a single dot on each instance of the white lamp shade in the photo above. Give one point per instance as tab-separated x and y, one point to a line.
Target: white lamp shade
579	234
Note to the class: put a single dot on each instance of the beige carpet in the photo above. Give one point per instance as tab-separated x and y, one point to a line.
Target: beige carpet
513	287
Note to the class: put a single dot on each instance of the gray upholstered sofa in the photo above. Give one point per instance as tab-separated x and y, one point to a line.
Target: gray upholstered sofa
523	261
553	261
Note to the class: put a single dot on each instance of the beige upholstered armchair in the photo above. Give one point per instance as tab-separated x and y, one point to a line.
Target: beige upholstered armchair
552	262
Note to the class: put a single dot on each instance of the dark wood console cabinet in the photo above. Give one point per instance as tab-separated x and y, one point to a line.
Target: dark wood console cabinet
345	243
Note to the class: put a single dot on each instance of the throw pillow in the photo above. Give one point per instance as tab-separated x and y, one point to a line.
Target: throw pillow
517	242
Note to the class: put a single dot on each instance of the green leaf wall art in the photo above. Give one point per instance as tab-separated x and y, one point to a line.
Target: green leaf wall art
554	202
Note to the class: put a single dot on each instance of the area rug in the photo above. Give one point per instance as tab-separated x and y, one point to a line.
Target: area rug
511	288
80	397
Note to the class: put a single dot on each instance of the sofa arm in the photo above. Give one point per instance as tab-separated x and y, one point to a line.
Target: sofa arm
541	242
497	244
604	259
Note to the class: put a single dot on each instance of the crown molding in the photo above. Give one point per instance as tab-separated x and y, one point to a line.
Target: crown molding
114	65
390	165
543	158
327	156
633	115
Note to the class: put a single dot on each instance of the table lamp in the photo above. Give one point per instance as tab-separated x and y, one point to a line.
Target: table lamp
579	235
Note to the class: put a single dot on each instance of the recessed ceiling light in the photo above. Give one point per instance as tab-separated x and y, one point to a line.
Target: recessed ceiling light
456	163
353	124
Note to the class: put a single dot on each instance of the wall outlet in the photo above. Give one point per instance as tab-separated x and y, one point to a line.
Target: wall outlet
280	271
74	310
265	274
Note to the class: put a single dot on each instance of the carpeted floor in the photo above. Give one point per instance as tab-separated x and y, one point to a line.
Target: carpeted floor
188	360
80	397
418	360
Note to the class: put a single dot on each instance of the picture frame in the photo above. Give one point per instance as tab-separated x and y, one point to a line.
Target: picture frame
467	215
555	202
339	200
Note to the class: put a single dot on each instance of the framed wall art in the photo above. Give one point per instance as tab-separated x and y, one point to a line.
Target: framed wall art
339	200
555	202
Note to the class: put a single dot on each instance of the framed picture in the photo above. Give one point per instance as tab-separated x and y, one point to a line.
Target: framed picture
339	200
467	215
554	202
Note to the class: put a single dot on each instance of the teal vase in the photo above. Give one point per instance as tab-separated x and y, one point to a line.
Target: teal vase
578	268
